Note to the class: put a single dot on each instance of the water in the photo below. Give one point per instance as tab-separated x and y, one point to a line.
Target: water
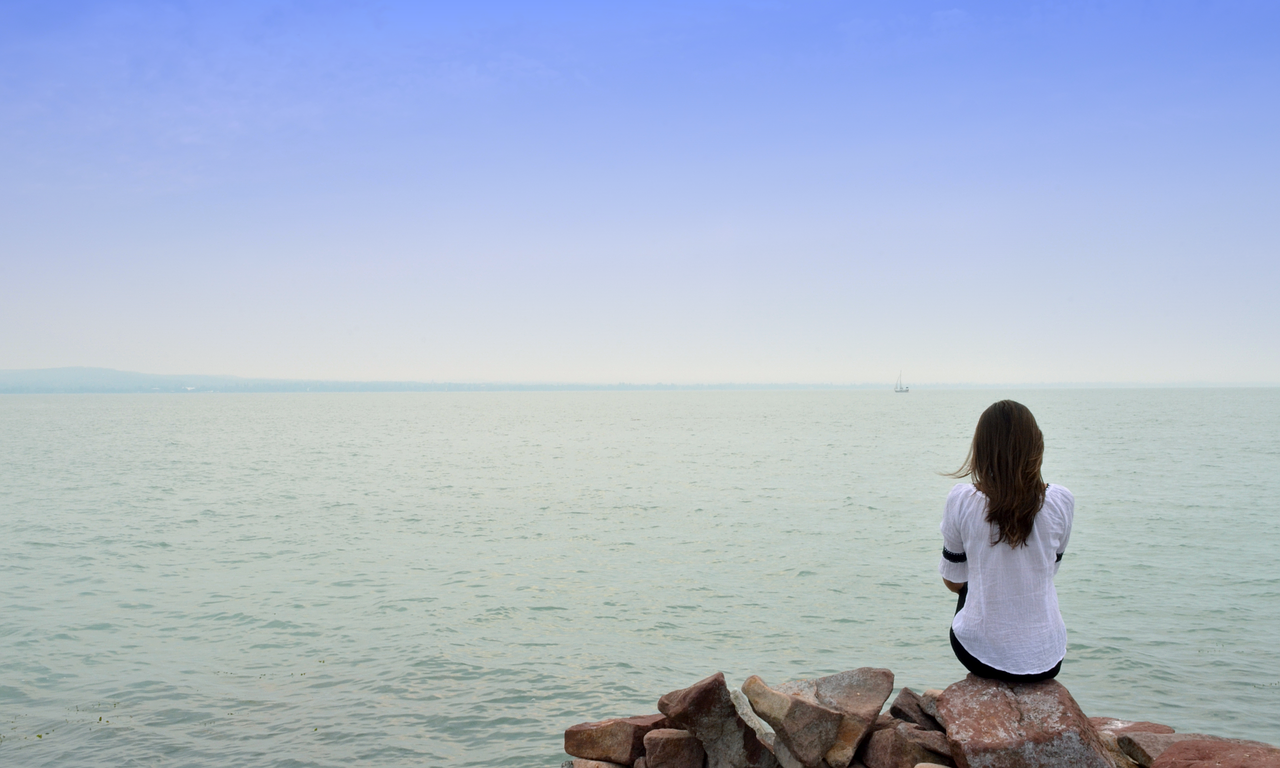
454	578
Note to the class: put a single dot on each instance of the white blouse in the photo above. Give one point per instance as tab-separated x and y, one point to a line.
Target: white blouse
1010	618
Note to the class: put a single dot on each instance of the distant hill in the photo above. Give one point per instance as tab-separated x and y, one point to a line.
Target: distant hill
110	381
107	380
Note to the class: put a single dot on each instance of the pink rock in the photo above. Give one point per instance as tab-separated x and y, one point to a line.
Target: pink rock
671	748
905	746
620	740
1024	725
885	720
1112	725
1218	753
706	710
806	727
1110	729
929	702
934	741
1146	748
907	706
1143	748
858	695
762	730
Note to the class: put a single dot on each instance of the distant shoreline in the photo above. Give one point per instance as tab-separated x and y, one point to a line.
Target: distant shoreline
55	381
52	381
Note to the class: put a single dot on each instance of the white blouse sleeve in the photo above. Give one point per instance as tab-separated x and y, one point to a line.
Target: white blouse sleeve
953	566
1069	512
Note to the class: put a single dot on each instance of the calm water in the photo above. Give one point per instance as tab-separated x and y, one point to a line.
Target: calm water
452	579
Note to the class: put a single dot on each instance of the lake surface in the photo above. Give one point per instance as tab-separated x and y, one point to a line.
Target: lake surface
451	579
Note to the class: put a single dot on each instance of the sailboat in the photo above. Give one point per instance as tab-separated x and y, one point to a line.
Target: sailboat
897	387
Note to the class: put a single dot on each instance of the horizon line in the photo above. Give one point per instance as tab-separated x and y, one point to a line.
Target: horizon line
492	385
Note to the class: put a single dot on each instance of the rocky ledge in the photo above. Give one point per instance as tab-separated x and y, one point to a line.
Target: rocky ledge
837	722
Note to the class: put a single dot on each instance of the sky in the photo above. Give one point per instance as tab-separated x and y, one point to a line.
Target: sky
682	192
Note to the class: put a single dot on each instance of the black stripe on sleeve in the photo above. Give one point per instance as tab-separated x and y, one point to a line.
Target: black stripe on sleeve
953	557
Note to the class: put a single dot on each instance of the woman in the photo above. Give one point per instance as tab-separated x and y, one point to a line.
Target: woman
1003	539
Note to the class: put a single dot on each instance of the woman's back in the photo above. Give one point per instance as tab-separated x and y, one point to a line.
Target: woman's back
1010	618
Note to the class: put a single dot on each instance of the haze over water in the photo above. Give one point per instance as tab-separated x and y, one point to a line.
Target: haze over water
453	579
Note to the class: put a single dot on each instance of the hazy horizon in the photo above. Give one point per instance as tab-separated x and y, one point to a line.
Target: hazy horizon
701	193
8	377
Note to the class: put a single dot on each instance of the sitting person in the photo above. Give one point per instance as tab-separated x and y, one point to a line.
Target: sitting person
1003	537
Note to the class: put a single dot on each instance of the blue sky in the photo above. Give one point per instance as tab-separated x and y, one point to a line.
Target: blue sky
646	192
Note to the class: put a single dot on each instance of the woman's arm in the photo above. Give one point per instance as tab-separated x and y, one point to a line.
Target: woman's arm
954	566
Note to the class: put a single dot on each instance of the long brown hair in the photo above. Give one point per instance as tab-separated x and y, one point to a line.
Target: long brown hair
1004	462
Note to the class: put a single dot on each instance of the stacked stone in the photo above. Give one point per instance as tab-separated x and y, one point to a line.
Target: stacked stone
620	741
836	722
821	723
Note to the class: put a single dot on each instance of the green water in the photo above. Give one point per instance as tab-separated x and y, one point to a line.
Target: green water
454	578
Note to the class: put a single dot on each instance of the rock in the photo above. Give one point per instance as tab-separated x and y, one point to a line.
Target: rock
640	763
857	695
885	720
671	748
620	740
929	702
934	741
805	726
1145	748
1112	725
907	707
706	710
905	746
762	730
1218	753
579	762
1114	751
1110	729
1023	725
